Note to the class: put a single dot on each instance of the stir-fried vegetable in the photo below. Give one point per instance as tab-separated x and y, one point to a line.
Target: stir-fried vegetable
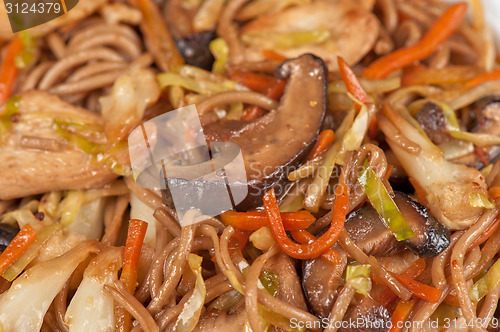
384	204
445	187
160	42
419	289
220	51
124	108
255	82
262	238
31	252
8	70
442	29
484	285
400	314
251	221
274	91
21	242
489	76
453	127
91	309
188	318
352	83
133	245
24	305
321	244
358	276
304	237
325	139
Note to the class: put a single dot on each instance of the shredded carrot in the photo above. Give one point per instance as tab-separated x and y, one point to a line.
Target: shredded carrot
482	155
16	247
273	55
256	82
452	300
373	127
490	76
252	221
420	290
242	237
325	139
494	192
420	192
440	31
486	235
400	314
8	70
352	82
274	91
414	271
304	237
135	237
133	246
321	244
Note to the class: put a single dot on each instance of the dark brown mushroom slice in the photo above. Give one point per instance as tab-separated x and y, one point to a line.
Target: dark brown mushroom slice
487	112
431	119
431	237
194	49
289	286
320	281
278	142
366	229
7	233
366	316
370	233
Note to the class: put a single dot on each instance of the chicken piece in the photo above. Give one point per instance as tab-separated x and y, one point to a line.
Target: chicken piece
26	169
323	28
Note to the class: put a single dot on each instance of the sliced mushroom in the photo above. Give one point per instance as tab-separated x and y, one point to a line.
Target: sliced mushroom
320	281
369	232
367	316
7	233
487	113
194	49
289	287
26	172
371	235
431	119
431	236
277	142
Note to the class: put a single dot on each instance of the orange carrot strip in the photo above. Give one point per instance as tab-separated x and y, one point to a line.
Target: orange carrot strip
490	76
452	300
133	246
255	82
420	290
440	31
135	237
414	271
16	247
325	139
321	244
273	55
486	235
275	91
304	237
400	314
494	192
352	82
252	221
8	71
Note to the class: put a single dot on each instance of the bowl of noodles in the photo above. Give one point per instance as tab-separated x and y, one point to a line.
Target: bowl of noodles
264	165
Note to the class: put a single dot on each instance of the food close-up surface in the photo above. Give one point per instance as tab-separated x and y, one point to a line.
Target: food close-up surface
250	165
